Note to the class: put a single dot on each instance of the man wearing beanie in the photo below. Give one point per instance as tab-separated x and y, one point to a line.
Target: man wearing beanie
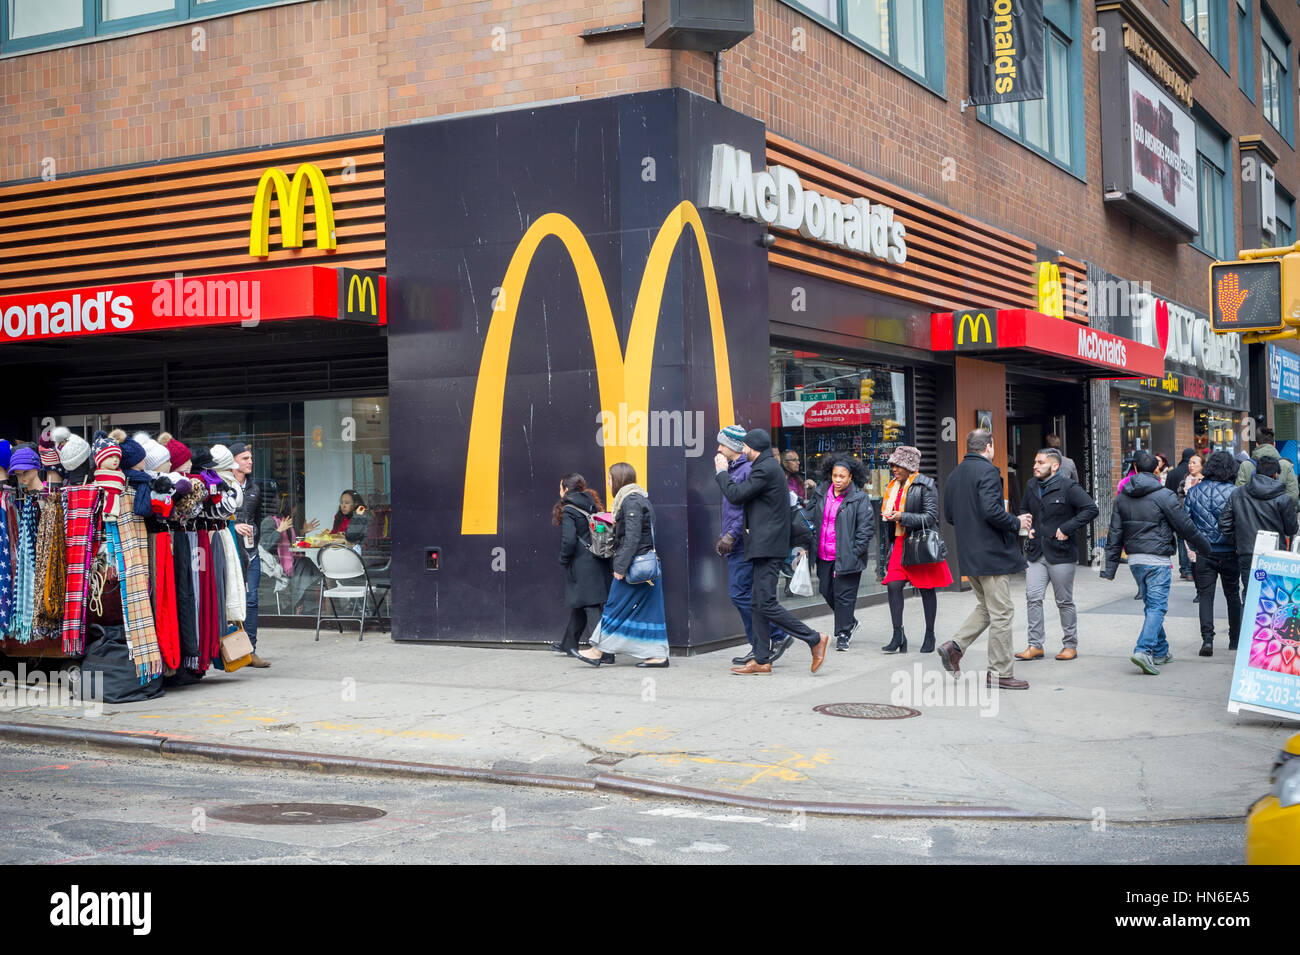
766	502
731	545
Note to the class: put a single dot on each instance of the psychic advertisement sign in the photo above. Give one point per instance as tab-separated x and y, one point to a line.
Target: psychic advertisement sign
1266	676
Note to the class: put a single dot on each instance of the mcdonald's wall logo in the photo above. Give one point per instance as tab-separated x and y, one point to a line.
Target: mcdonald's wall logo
975	329
522	311
291	197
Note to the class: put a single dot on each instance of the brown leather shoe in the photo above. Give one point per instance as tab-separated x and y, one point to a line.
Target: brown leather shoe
1006	682
1031	653
258	662
950	656
819	652
753	666
1069	653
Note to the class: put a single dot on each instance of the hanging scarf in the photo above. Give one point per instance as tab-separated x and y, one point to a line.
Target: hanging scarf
113	483
164	597
6	566
622	496
206	599
83	507
187	624
25	570
51	568
132	559
901	501
219	545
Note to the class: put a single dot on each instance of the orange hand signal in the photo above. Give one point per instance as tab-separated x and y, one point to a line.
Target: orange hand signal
1230	297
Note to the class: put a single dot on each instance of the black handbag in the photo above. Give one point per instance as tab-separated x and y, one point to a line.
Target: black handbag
923	545
645	567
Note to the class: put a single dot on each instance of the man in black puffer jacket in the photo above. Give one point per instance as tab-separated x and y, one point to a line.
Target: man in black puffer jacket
1143	520
1261	504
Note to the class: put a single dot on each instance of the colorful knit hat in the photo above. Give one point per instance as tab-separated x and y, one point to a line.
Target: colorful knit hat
49	454
6	451
732	436
132	453
176	452
104	448
73	449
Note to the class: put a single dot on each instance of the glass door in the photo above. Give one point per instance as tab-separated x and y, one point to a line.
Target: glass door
86	425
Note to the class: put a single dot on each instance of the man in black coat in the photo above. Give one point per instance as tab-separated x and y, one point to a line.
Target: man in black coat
765	496
988	553
1143	521
1057	507
1261	504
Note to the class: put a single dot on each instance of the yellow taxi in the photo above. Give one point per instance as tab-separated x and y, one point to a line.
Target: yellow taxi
1273	823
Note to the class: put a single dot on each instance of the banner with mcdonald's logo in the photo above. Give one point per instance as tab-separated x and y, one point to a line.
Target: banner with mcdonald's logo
561	299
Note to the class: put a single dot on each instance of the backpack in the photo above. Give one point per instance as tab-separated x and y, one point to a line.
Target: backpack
600	532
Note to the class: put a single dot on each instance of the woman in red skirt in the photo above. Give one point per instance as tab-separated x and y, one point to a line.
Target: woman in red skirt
911	502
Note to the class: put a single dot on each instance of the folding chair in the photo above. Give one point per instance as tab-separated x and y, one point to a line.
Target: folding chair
338	563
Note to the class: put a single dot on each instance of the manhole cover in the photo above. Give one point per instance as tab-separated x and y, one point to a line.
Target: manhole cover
296	813
867	711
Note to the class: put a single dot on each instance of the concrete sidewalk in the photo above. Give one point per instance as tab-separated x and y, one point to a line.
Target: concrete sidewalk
1090	736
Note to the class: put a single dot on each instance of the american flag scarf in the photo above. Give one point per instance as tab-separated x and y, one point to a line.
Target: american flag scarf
83	506
130	550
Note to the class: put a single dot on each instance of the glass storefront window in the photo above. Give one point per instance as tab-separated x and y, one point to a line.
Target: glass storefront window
306	454
1216	428
828	405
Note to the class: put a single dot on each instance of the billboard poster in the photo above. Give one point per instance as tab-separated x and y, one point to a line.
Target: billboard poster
1163	149
1005	50
1266	674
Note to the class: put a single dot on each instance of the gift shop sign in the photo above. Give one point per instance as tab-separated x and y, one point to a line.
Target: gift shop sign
777	196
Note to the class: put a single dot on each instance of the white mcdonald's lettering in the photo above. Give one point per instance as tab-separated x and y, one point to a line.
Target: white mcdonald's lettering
1108	350
71	316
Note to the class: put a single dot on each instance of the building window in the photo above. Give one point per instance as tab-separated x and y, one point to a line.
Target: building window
1051	126
1274	60
1208	21
1217	235
27	25
1245	50
1285	217
907	34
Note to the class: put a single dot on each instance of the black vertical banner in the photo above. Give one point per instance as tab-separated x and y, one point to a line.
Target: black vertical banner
1006	50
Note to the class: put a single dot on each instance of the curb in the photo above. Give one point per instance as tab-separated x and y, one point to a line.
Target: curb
163	745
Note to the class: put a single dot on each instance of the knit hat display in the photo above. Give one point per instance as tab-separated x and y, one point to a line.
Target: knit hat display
201	460
132	453
906	456
24	459
104	448
732	436
49	453
6	451
156	457
73	449
160	504
758	440
177	452
222	459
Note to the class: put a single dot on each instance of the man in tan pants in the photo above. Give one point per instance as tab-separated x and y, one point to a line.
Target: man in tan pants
988	552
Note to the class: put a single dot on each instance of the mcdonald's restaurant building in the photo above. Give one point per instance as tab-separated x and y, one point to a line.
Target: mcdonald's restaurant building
555	289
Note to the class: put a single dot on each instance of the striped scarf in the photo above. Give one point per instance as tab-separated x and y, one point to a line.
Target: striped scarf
83	506
6	566
130	550
25	571
113	482
51	570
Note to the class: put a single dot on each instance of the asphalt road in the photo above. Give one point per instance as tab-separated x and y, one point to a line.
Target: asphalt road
62	808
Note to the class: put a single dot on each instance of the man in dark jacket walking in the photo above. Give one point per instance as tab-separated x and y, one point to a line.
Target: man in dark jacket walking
1205	504
731	545
1058	507
987	553
1261	504
1143	520
765	496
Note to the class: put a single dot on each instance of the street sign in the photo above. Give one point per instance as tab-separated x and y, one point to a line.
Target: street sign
1246	296
817	396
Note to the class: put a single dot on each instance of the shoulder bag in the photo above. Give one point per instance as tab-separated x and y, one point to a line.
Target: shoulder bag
924	544
645	567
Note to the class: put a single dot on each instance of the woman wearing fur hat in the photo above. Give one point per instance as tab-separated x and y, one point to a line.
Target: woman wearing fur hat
843	525
911	502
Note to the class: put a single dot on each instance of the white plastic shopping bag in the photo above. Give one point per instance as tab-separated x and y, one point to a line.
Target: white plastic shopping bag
801	580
